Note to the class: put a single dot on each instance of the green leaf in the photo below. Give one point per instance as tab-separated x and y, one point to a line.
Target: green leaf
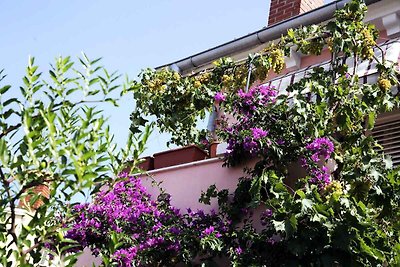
370	251
53	75
4	89
306	205
255	190
67	66
388	162
11	100
291	33
93	81
279	225
300	193
8	113
23	148
291	225
371	120
114	102
89	176
322	209
4	157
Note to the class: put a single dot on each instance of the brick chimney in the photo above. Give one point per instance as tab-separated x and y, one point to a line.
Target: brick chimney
284	9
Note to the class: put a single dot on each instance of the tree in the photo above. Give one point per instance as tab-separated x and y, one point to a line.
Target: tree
53	136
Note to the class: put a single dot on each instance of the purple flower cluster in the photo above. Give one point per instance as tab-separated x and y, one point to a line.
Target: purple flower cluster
246	138
251	143
258	133
207	224
321	150
126	209
219	97
148	226
254	98
124	257
210	231
320	176
238	250
266	217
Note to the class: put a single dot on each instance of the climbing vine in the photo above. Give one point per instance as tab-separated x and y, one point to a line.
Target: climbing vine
177	102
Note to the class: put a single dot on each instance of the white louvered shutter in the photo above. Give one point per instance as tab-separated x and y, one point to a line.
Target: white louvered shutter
387	133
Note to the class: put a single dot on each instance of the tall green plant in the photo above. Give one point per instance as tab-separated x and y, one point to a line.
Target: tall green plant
54	135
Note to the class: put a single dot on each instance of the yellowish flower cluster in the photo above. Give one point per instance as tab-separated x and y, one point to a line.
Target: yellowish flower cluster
157	84
226	79
334	187
201	79
329	43
277	59
368	42
261	72
197	84
241	76
384	84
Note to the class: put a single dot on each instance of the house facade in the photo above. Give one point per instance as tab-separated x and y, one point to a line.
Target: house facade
186	181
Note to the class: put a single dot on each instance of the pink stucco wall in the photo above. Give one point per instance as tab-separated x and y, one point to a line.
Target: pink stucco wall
186	182
86	259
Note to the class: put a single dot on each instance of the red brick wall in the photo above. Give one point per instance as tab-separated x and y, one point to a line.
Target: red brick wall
283	9
39	189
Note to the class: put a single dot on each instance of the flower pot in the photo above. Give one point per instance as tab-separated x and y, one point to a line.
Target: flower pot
213	149
147	164
178	156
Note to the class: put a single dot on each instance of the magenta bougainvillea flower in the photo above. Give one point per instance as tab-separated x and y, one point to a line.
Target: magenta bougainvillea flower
151	228
258	133
220	97
321	147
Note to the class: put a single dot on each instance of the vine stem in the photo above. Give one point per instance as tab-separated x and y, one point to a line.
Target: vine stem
28	250
10	129
355	68
12	199
11	230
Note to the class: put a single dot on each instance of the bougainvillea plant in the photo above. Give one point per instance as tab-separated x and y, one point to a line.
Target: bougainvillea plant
338	207
128	228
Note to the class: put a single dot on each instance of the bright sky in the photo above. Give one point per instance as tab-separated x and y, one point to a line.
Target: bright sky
129	35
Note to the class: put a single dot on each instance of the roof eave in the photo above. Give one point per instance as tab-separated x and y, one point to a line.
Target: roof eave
256	38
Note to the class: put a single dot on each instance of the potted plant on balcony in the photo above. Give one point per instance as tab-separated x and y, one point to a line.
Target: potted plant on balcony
178	156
